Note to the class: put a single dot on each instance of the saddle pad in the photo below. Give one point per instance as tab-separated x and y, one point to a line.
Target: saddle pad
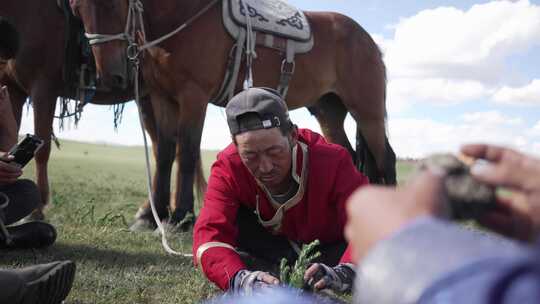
275	17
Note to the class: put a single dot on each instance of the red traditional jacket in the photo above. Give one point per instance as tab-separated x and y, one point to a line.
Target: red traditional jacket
326	177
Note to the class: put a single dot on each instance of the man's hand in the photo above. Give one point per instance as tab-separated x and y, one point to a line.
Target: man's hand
376	212
518	214
339	278
246	281
8	173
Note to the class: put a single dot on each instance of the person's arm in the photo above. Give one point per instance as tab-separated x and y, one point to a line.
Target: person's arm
405	265
215	235
339	278
8	138
504	281
405	249
8	125
215	232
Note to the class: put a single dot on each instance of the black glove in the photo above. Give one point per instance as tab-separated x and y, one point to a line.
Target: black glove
339	278
246	281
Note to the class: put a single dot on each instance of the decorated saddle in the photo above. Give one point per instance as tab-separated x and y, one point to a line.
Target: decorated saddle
272	24
269	16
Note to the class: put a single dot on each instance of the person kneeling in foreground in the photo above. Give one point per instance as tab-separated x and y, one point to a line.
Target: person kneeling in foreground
275	188
408	252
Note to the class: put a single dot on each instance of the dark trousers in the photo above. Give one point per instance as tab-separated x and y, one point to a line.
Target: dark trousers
261	250
23	196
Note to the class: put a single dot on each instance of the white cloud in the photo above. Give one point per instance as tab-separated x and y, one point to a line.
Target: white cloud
491	118
420	137
536	149
463	44
537	126
432	90
446	55
535	131
526	95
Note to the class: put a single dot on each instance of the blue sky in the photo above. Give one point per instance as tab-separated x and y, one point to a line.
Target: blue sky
459	72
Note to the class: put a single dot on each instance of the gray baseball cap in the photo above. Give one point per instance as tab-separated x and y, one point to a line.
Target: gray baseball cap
267	105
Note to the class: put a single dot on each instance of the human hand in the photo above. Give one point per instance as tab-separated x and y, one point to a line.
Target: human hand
377	212
518	214
246	281
8	172
339	278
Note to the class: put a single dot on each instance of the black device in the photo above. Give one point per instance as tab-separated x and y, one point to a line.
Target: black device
24	151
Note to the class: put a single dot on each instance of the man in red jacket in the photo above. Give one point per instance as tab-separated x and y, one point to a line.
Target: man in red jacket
275	188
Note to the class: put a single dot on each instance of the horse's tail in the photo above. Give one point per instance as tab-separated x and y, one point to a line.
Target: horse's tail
200	181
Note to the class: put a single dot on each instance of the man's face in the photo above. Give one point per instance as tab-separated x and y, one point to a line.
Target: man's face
267	155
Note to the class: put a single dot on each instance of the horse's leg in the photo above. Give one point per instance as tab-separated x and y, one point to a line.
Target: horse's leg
366	161
371	148
44	103
164	152
369	165
330	113
190	126
389	171
362	87
144	219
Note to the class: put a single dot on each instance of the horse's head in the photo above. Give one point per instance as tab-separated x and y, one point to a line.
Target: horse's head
105	26
9	40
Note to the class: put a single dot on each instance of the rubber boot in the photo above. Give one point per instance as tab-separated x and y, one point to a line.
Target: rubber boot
40	284
29	235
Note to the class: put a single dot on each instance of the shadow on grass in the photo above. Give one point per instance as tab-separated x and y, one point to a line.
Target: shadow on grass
84	253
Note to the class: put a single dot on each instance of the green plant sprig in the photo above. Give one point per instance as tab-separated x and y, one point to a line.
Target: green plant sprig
295	276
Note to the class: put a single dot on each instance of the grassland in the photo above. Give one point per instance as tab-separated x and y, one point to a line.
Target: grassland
96	190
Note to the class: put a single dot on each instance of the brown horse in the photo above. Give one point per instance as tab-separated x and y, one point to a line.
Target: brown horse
344	73
36	72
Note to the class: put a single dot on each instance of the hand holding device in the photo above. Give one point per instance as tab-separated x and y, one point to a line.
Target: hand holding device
24	151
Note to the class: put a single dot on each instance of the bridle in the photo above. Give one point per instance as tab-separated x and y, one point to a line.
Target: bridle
134	18
135	21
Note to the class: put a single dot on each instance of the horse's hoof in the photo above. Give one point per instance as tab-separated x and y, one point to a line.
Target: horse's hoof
186	226
184	223
142	225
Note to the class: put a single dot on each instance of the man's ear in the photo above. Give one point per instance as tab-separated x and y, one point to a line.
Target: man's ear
293	136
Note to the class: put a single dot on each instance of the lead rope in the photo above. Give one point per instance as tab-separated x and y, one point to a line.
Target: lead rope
164	241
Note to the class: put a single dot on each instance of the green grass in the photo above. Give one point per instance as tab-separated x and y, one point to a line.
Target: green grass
96	190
